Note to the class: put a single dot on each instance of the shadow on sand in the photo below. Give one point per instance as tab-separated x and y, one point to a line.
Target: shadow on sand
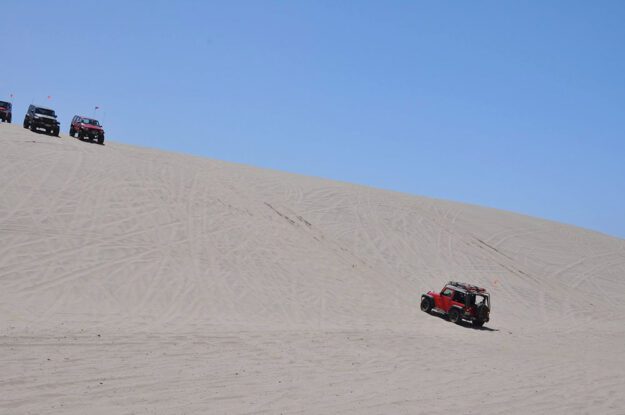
87	140
464	324
43	132
84	140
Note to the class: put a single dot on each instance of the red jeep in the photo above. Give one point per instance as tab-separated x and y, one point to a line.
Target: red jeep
86	128
5	111
459	301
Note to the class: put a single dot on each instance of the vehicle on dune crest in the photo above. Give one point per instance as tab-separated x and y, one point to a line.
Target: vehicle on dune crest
5	111
86	128
459	301
42	118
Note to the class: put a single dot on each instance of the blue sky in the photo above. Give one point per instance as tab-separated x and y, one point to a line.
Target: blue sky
507	104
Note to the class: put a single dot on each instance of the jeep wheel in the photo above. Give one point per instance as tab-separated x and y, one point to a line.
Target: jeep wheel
426	305
478	323
55	132
101	140
32	127
25	123
8	119
71	132
454	315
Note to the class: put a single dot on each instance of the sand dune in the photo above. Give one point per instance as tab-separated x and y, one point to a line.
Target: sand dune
140	281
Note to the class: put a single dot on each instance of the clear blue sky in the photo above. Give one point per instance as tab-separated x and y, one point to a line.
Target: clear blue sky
518	105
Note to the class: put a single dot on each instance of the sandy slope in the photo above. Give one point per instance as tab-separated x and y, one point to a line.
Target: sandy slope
138	281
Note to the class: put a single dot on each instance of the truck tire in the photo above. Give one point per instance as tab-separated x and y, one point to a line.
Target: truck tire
9	119
101	141
478	323
426	305
71	132
454	316
55	132
25	123
32	127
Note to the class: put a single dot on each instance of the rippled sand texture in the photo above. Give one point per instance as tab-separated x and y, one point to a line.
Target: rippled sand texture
139	281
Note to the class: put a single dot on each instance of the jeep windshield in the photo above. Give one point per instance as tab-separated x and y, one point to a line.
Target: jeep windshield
45	111
90	122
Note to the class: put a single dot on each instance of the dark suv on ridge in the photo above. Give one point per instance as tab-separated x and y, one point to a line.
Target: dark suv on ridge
5	111
42	118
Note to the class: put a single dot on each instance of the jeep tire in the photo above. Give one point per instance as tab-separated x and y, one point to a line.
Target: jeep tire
101	141
55	131
32	127
426	305
9	119
25	125
454	316
478	323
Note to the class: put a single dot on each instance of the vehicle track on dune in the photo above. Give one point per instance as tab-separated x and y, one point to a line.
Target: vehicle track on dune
140	281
